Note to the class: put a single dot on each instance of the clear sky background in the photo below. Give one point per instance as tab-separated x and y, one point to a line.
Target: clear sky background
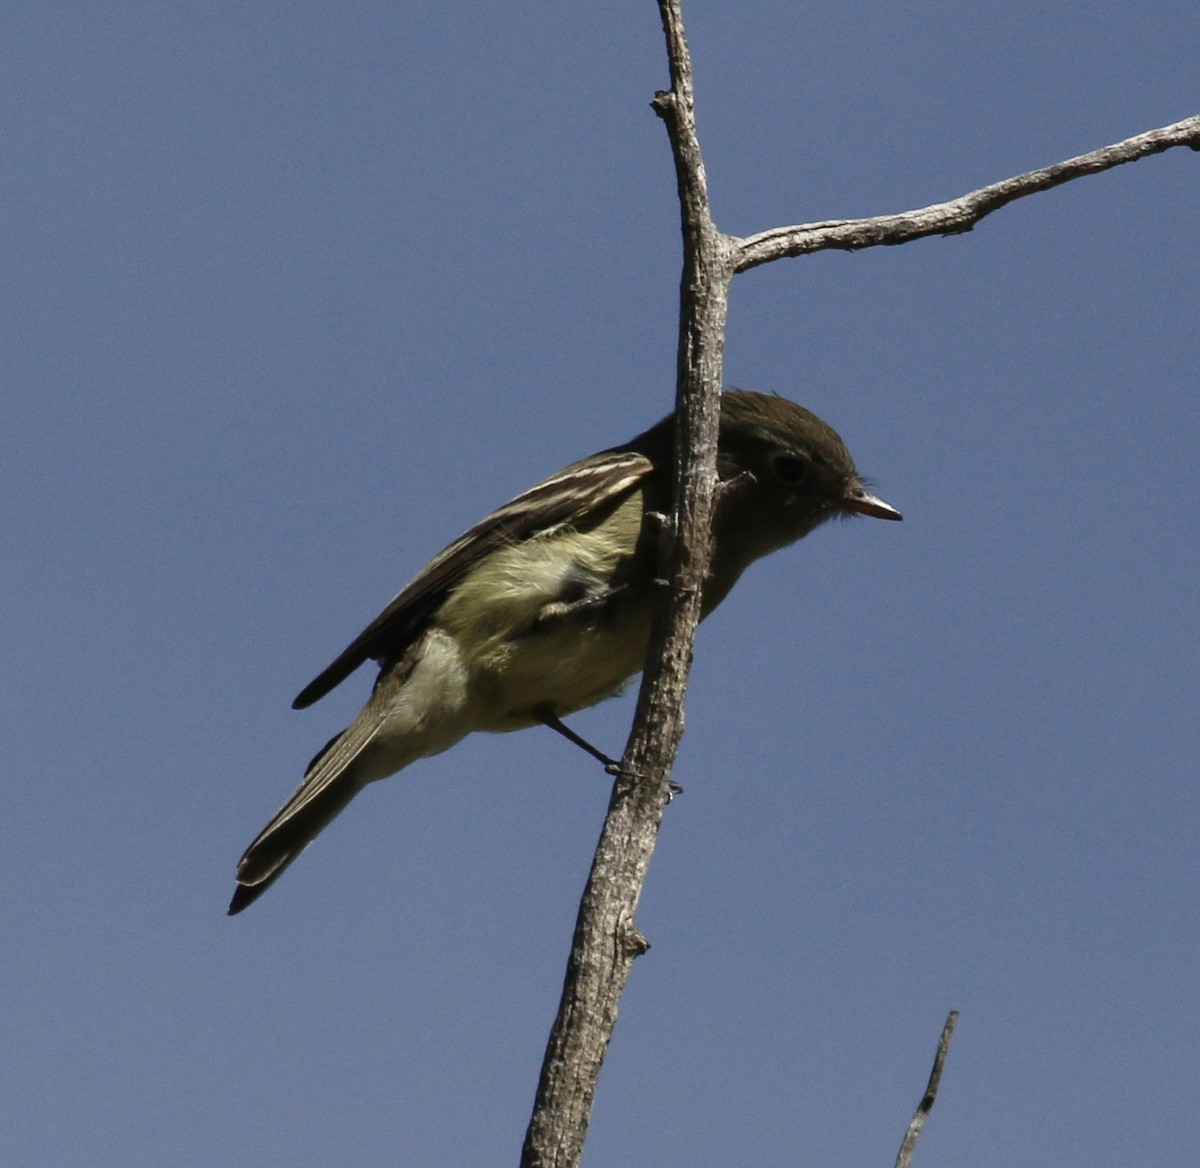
294	293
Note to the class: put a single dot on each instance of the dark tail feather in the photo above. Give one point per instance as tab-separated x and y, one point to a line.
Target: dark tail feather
310	809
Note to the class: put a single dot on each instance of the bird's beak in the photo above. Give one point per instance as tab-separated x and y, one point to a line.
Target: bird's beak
858	501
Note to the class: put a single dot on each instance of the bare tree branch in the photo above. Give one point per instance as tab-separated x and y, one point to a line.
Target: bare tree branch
909	1144
606	941
958	215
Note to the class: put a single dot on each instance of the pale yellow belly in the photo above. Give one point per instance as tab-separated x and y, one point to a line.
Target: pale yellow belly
560	670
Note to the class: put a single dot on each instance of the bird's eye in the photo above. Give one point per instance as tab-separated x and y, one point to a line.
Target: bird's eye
791	469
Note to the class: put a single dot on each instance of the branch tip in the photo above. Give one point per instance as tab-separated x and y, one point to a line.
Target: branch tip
909	1144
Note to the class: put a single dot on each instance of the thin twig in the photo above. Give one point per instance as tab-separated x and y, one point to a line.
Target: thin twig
959	215
904	1156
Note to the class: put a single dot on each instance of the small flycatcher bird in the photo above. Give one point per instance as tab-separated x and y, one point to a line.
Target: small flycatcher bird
544	607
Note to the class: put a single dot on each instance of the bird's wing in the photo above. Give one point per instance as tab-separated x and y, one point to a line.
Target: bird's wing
569	496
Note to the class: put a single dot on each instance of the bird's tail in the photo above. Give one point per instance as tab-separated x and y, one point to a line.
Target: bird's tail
331	781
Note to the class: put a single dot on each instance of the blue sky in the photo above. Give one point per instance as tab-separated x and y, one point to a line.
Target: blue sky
294	294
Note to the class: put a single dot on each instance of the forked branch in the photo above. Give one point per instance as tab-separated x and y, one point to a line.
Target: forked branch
606	939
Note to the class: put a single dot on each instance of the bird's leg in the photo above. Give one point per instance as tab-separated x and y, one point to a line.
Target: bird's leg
547	718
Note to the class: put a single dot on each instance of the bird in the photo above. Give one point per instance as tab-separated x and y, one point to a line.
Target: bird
544	607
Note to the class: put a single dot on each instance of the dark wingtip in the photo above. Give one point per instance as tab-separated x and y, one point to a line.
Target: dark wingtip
244	896
315	690
324	682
